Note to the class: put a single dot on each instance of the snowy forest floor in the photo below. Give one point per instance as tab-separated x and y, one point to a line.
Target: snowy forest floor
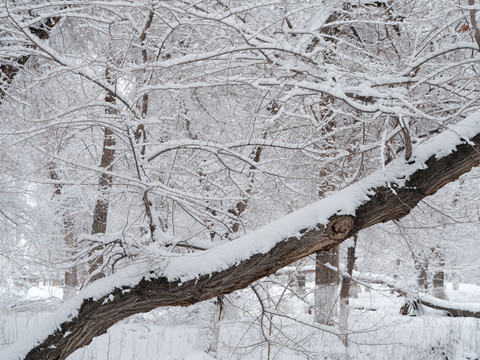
377	330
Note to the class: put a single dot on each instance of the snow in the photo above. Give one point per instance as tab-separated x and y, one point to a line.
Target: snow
42	292
461	305
473	307
198	355
344	202
376	330
319	18
191	266
126	277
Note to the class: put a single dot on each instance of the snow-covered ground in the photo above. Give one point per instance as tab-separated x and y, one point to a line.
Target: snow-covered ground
377	331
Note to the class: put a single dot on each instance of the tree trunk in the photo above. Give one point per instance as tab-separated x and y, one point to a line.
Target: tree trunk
237	210
439	275
345	291
385	201
217	317
71	274
241	206
421	265
154	221
326	286
100	213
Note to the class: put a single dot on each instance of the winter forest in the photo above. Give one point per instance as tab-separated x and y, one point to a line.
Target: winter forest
233	179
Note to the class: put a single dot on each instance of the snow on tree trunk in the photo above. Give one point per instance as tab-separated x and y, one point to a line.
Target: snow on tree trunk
217	317
439	275
345	291
326	286
421	265
71	274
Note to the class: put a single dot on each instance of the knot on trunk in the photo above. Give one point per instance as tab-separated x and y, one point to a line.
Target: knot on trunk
340	227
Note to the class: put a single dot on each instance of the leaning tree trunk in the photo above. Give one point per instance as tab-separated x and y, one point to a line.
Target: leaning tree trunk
97	308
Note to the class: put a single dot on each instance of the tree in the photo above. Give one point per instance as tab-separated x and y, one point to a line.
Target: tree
207	96
226	268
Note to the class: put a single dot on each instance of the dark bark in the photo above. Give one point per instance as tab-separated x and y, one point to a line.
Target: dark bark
347	280
345	292
105	182
386	203
9	71
100	212
141	135
473	22
325	276
326	286
241	206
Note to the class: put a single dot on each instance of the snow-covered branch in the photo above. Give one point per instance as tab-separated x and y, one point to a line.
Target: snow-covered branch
187	279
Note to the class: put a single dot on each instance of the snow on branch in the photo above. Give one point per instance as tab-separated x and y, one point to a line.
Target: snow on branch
455	309
182	280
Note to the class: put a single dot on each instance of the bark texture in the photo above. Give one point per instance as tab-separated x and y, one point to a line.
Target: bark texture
345	291
100	212
326	286
9	70
386	203
71	273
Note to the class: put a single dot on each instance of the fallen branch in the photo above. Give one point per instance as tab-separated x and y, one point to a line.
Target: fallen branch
450	308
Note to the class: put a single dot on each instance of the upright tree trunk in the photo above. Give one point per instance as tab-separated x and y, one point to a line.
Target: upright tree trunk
71	274
439	275
100	213
326	286
141	138
421	266
237	210
241	206
345	291
217	317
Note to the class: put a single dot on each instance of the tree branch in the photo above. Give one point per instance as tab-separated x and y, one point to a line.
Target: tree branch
388	194
9	71
473	21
